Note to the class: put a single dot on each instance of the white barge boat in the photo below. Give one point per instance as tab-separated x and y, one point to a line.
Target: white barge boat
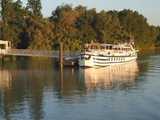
101	55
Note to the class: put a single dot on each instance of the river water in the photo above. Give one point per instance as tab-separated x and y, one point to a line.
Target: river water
33	89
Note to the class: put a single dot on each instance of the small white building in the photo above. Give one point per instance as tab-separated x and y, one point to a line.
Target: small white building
4	46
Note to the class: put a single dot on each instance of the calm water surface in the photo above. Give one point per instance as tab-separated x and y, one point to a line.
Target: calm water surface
32	89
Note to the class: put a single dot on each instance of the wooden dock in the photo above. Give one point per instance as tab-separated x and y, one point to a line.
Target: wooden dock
63	57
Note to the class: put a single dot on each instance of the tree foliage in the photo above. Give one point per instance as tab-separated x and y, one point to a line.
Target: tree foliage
26	28
35	7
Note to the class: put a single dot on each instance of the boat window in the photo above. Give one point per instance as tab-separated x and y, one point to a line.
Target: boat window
102	47
110	47
92	47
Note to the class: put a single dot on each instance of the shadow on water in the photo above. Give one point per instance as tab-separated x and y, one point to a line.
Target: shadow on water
24	84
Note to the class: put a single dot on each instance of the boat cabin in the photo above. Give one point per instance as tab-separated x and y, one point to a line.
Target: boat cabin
108	47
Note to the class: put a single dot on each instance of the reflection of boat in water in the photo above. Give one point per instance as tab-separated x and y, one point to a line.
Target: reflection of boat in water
119	75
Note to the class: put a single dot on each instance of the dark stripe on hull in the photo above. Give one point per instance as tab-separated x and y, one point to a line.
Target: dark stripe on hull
115	63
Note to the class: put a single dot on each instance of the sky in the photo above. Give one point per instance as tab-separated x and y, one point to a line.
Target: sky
149	8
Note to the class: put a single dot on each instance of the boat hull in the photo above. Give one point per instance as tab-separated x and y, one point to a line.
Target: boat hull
103	61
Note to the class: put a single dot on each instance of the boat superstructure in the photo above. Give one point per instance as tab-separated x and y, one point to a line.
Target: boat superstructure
102	55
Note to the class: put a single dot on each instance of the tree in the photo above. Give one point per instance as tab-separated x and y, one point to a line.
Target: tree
135	24
84	24
158	41
5	5
36	30
35	7
64	18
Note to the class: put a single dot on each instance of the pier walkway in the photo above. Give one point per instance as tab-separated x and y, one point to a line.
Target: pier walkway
37	53
5	50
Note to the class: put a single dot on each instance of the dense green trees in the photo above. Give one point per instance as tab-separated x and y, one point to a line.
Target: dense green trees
11	23
137	25
157	41
26	28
